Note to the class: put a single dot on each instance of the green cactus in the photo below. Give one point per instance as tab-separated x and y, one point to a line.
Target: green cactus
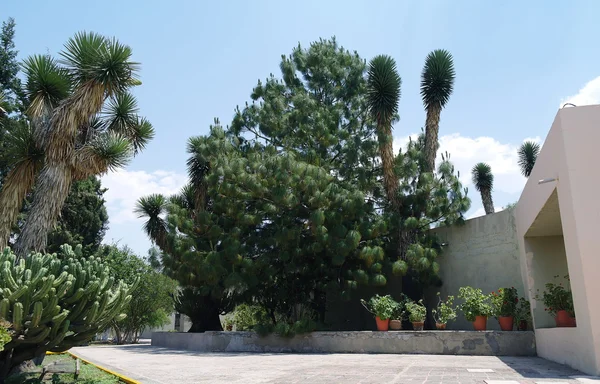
55	302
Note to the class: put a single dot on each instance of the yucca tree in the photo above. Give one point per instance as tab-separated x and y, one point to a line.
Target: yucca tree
437	84
483	179
528	153
384	84
83	120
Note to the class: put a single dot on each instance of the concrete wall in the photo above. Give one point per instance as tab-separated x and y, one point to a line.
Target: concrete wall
428	342
567	156
484	254
547	259
184	325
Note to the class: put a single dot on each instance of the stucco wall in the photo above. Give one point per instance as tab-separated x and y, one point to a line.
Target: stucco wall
546	259
484	254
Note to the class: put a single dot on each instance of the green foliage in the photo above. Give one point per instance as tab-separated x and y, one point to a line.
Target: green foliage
285	207
55	302
383	307
557	297
152	297
523	312
246	317
445	310
475	303
504	302
437	78
10	84
416	311
528	153
384	88
5	335
483	178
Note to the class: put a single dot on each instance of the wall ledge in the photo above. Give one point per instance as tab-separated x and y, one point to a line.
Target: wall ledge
487	343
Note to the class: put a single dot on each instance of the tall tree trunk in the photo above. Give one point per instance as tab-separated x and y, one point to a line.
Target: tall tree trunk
386	152
52	189
432	127
17	184
488	203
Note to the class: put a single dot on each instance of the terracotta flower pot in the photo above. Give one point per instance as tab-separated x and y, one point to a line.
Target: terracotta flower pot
382	325
395	325
522	325
506	323
563	319
418	325
480	323
440	326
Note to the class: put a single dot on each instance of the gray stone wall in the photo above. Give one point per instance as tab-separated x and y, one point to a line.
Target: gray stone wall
428	342
484	254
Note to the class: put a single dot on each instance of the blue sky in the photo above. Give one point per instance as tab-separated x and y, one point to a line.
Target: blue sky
515	62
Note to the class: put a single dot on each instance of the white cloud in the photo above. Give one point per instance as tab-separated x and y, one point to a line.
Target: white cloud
126	187
465	152
588	95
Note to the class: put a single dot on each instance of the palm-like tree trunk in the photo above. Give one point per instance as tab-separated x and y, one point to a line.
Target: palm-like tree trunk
386	151
488	203
17	184
432	127
52	189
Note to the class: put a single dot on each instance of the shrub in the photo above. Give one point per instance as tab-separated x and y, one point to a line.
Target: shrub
557	298
475	303
416	311
381	306
55	302
445	310
504	302
5	336
523	311
247	317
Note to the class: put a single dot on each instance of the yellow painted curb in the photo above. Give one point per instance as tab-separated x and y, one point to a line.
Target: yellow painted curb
124	379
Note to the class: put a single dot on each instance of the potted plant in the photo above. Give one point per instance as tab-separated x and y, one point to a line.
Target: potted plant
416	314
504	307
444	312
523	314
558	301
476	306
383	308
396	319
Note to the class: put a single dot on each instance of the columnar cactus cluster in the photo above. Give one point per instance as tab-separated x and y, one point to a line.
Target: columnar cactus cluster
55	302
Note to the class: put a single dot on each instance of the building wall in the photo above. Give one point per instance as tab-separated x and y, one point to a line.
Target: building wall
567	156
484	254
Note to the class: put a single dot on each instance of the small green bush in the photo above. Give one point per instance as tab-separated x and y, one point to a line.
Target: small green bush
475	303
5	336
247	317
416	311
504	302
381	306
445	310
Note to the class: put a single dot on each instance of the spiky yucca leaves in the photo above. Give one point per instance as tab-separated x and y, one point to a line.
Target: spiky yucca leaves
437	84
483	179
26	160
528	153
55	302
77	137
383	95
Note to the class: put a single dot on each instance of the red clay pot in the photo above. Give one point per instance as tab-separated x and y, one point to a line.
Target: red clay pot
480	323
440	326
418	325
382	325
395	325
563	319
506	323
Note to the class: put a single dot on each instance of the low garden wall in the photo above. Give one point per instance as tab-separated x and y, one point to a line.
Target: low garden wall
490	343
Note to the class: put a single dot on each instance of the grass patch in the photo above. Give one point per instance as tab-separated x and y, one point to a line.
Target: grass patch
88	374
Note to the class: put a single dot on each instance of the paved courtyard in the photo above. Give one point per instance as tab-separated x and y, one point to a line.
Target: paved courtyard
154	365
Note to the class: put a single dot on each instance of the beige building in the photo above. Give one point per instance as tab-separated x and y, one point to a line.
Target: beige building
558	233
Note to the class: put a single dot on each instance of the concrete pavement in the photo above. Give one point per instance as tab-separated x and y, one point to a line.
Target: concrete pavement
154	365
